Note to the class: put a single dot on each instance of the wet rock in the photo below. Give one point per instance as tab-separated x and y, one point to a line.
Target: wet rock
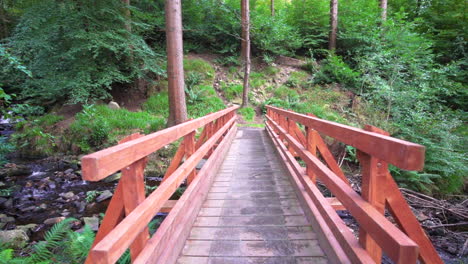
80	206
27	228
67	195
113	105
65	213
15	170
15	238
43	206
8	204
104	196
54	220
113	177
92	222
6	219
69	171
27	209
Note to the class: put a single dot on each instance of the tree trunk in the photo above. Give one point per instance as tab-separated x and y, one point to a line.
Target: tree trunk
333	24
175	66
245	14
272	6
383	5
128	25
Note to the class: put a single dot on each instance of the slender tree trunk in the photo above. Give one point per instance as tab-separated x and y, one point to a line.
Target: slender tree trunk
128	24
175	66
383	5
272	6
245	14
333	24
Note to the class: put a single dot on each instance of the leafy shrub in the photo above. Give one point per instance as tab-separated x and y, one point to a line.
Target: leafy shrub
257	79
80	63
248	113
334	69
228	61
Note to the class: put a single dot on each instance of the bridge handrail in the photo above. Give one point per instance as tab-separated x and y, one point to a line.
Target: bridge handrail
129	212
98	165
378	190
403	154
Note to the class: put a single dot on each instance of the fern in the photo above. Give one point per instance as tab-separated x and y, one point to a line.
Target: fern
44	250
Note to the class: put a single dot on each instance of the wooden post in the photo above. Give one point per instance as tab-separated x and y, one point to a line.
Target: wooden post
374	174
405	218
175	64
189	142
311	146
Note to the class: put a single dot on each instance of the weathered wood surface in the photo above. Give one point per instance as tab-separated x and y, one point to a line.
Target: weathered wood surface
403	154
252	214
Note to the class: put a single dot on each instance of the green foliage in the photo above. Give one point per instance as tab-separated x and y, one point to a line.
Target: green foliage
44	250
5	148
228	61
257	79
284	92
334	69
60	245
202	68
97	126
298	79
271	70
76	50
248	113
158	104
232	91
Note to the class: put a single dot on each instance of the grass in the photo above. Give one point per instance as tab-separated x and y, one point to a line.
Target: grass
283	92
270	71
297	79
257	79
201	66
248	113
158	104
232	91
261	125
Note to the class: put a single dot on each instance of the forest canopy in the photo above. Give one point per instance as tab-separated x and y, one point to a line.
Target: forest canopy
411	66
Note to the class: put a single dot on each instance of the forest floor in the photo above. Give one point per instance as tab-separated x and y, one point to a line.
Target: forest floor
42	192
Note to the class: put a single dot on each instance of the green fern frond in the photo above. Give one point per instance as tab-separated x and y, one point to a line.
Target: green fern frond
44	250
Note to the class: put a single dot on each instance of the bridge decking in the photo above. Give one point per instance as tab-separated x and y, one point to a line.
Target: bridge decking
251	214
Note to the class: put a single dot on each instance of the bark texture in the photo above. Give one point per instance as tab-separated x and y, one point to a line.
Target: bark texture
245	14
175	66
333	24
383	5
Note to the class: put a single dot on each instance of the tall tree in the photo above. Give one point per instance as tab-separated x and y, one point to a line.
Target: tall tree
272	7
175	66
245	20
333	24
383	5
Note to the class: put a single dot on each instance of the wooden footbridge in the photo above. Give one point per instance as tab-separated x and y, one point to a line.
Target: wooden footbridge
255	198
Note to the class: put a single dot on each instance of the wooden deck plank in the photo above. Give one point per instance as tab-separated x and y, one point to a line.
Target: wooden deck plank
251	214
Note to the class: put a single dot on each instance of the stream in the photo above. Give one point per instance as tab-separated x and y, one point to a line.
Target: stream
36	193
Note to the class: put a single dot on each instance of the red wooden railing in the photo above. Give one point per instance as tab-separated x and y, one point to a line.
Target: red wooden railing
376	149
129	212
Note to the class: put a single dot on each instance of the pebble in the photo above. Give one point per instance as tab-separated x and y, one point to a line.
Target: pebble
104	196
92	222
53	220
67	195
68	171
